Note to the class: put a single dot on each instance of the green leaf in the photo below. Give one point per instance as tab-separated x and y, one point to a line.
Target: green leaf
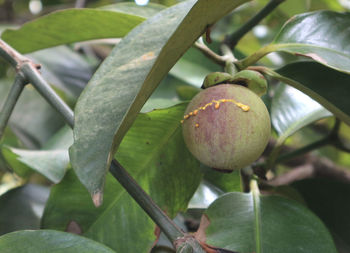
67	26
249	223
120	87
330	201
322	36
292	110
154	153
22	208
50	163
47	241
325	85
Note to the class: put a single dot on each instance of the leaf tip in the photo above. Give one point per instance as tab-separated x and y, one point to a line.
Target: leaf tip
74	228
97	198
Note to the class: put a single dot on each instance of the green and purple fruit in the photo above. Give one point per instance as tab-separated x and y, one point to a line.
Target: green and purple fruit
226	127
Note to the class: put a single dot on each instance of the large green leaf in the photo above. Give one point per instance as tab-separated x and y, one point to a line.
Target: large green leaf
291	110
47	241
249	223
154	153
322	36
330	201
328	87
125	80
22	208
67	26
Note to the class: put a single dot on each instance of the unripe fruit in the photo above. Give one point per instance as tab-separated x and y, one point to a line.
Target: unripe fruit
226	127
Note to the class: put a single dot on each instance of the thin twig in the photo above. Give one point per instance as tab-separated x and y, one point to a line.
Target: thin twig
233	39
221	60
11	100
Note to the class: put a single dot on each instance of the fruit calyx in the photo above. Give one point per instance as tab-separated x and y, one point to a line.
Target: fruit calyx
250	79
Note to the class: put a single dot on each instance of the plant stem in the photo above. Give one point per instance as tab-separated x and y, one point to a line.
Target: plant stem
233	39
9	105
11	55
35	78
171	230
221	60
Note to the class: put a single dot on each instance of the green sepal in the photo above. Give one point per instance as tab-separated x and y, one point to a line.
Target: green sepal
251	79
216	78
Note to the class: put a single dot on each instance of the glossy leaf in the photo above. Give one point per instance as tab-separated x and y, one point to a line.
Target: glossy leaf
154	153
322	36
47	241
326	86
329	200
68	26
249	223
125	80
291	110
22	208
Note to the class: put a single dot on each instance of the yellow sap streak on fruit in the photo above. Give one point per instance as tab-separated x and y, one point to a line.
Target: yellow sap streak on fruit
196	125
216	103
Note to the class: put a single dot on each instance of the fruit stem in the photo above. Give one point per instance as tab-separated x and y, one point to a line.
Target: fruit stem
233	39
